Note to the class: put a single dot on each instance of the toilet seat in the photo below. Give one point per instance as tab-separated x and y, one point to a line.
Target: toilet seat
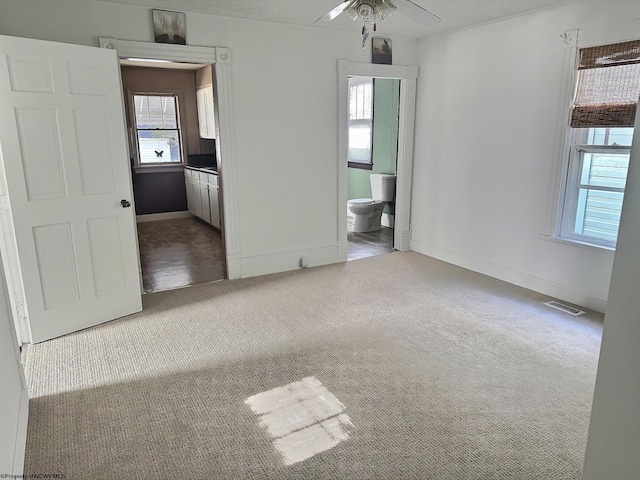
361	201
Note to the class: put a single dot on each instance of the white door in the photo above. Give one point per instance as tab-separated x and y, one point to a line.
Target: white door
67	174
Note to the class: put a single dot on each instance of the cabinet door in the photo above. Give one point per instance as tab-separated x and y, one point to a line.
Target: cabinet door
197	197
204	201
209	112
187	184
202	114
206	116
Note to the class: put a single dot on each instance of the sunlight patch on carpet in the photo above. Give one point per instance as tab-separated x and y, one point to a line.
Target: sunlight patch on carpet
303	418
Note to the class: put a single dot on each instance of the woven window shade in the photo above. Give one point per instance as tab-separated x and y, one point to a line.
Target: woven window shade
608	86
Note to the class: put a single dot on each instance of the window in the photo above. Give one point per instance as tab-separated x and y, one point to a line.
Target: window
360	122
601	132
157	129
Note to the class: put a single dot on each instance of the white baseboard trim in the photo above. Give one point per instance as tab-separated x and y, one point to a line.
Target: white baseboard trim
263	263
21	435
405	241
152	217
537	284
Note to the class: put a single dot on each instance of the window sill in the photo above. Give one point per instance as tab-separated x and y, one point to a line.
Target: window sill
361	166
176	167
577	243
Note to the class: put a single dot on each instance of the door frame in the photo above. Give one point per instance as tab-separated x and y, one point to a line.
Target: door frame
408	75
220	59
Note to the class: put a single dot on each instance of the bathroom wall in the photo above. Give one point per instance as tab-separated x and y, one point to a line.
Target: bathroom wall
385	138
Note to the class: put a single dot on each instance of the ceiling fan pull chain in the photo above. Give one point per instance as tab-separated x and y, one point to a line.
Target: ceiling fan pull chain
365	35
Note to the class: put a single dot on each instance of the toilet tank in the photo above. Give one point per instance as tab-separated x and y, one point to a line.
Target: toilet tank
383	186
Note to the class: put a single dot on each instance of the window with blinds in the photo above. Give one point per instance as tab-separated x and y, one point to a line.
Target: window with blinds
157	129
602	119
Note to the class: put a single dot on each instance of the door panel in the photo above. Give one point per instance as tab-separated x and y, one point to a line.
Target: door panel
29	74
94	152
55	255
66	168
38	131
106	255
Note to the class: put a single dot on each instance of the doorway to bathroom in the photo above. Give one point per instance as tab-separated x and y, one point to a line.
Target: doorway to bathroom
372	163
396	213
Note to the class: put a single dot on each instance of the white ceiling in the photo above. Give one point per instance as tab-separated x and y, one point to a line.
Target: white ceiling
455	14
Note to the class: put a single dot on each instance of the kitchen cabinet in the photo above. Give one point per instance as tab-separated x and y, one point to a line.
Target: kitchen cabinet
206	114
202	195
190	184
203	192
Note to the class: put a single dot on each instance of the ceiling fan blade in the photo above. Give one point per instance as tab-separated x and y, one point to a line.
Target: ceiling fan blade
416	12
337	10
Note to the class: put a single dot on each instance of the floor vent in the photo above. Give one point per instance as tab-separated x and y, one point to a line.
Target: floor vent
565	308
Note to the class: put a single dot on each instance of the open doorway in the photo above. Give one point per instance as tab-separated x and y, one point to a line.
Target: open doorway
401	79
172	142
372	165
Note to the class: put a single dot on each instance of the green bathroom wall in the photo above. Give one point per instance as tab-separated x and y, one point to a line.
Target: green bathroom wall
386	97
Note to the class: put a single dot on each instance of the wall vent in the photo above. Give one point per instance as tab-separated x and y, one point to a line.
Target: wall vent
565	308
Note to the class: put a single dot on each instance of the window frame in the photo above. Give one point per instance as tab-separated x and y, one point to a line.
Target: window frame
153	167
568	210
361	121
575	142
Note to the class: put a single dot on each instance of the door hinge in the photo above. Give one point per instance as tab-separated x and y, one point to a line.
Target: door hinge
21	312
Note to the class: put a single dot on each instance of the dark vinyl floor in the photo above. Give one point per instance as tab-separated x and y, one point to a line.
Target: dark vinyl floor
369	244
178	253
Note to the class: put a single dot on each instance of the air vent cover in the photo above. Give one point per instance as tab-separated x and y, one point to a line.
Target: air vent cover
565	308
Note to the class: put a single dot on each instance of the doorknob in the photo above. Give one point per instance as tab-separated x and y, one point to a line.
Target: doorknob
125	203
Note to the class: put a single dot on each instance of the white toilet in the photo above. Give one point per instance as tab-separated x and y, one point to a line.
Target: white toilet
367	212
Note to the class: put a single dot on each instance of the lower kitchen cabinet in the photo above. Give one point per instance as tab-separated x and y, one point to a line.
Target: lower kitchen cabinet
202	195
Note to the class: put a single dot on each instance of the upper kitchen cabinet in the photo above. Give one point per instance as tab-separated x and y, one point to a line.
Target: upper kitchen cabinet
206	116
204	97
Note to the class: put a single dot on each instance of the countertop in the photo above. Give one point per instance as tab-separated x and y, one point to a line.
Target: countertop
202	169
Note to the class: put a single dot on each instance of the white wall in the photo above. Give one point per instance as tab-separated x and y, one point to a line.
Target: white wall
14	401
285	107
487	161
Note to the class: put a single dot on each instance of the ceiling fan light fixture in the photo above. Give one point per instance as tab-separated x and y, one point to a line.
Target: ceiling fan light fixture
370	11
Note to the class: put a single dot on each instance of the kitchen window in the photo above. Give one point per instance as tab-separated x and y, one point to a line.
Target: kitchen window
157	130
602	118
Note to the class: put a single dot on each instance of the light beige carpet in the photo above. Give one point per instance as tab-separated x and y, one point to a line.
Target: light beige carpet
430	372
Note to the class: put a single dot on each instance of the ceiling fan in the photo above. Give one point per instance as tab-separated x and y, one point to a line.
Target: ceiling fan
372	12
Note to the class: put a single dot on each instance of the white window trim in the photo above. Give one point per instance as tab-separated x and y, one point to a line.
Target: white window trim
574	40
133	140
353	83
569	204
